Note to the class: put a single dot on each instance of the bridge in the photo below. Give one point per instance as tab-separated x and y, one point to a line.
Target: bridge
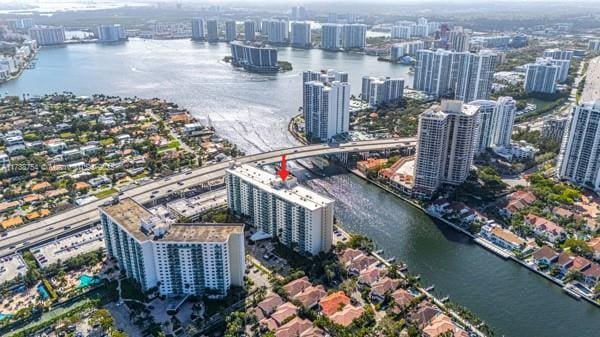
77	218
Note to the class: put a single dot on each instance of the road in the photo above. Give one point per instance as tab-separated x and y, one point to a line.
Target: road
591	90
82	216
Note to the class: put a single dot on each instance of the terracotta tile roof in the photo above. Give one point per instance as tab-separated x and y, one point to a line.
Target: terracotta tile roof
565	258
293	328
56	193
38	214
543	224
269	324
314	332
269	304
349	254
580	263
81	185
593	271
310	296
346	316
442	324
423	314
32	197
595	244
333	303
384	285
297	286
361	263
40	186
283	312
545	252
370	275
402	298
8	205
15	221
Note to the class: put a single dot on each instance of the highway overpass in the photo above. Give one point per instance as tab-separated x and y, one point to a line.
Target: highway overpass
79	217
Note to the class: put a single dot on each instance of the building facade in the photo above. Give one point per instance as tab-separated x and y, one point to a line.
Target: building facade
379	91
541	77
300	35
110	33
47	35
255	59
326	108
298	217
579	158
277	31
554	128
230	31
402	49
331	36
212	30
354	36
179	259
445	146
249	30
198	29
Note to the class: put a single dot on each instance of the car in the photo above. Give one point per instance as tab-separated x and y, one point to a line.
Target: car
152	197
67	227
188	173
4	234
11	247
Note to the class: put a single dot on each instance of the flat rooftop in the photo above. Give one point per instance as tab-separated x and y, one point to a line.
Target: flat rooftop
11	266
70	246
130	214
266	181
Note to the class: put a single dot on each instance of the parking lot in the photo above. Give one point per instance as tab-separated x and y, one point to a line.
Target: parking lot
11	266
68	247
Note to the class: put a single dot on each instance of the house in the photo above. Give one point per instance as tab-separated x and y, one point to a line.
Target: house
564	262
81	185
333	303
370	275
310	296
55	146
544	228
545	256
370	164
516	202
381	287
347	315
297	286
293	328
360	263
314	332
14	221
269	304
592	274
4	159
594	244
423	314
580	264
349	254
502	237
402	299
8	205
442	325
439	206
283	313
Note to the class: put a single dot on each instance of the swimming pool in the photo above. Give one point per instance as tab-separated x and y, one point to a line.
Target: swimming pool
3	316
87	280
42	291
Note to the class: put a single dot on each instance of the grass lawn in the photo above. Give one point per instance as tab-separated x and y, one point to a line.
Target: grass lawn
107	141
67	135
140	176
173	145
105	193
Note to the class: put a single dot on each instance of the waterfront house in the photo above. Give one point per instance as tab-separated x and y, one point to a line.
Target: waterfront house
333	303
516	202
592	274
544	228
310	297
502	237
423	314
545	256
282	313
439	206
370	275
348	254
381	287
442	325
347	315
370	164
296	286
402	299
580	264
564	262
360	263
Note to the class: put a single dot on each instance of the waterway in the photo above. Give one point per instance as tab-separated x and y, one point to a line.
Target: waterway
253	111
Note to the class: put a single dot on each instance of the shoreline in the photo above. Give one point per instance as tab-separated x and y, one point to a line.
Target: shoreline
567	289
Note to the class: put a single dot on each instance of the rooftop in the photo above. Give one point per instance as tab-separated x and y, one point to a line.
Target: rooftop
130	215
287	191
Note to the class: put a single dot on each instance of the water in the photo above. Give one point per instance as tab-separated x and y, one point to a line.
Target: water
87	280
253	111
43	292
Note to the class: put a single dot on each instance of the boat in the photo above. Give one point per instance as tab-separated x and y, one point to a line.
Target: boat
430	288
380	251
572	293
391	259
445	299
403	269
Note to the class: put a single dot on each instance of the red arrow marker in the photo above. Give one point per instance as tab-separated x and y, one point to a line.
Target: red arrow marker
283	172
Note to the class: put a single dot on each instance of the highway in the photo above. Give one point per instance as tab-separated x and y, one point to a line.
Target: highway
82	216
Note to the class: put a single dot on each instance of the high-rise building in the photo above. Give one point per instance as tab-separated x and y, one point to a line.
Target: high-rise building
212	30
354	36
379	91
255	59
541	76
110	33
563	64
458	39
519	41
402	49
47	35
579	158
178	258
300	35
326	104
298	13
594	46
230	30
249	30
554	128
445	146
421	21
198	29
401	32
558	54
277	30
298	217
461	75
421	30
496	121
20	24
331	36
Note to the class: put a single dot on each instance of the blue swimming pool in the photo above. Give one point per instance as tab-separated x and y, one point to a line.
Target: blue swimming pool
87	280
42	291
3	316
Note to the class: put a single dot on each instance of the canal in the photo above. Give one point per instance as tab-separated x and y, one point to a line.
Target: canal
253	111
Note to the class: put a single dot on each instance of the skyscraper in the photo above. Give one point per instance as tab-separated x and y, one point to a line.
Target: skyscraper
212	30
459	40
255	59
460	75
326	104
496	121
554	128
401	32
179	259
230	31
276	30
110	33
558	54
594	46
298	13
331	36
378	91
300	36
445	146
541	77
401	49
354	36
579	158
48	35
249	30
298	217
198	29
563	72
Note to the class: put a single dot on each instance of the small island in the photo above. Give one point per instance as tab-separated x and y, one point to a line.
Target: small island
256	59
